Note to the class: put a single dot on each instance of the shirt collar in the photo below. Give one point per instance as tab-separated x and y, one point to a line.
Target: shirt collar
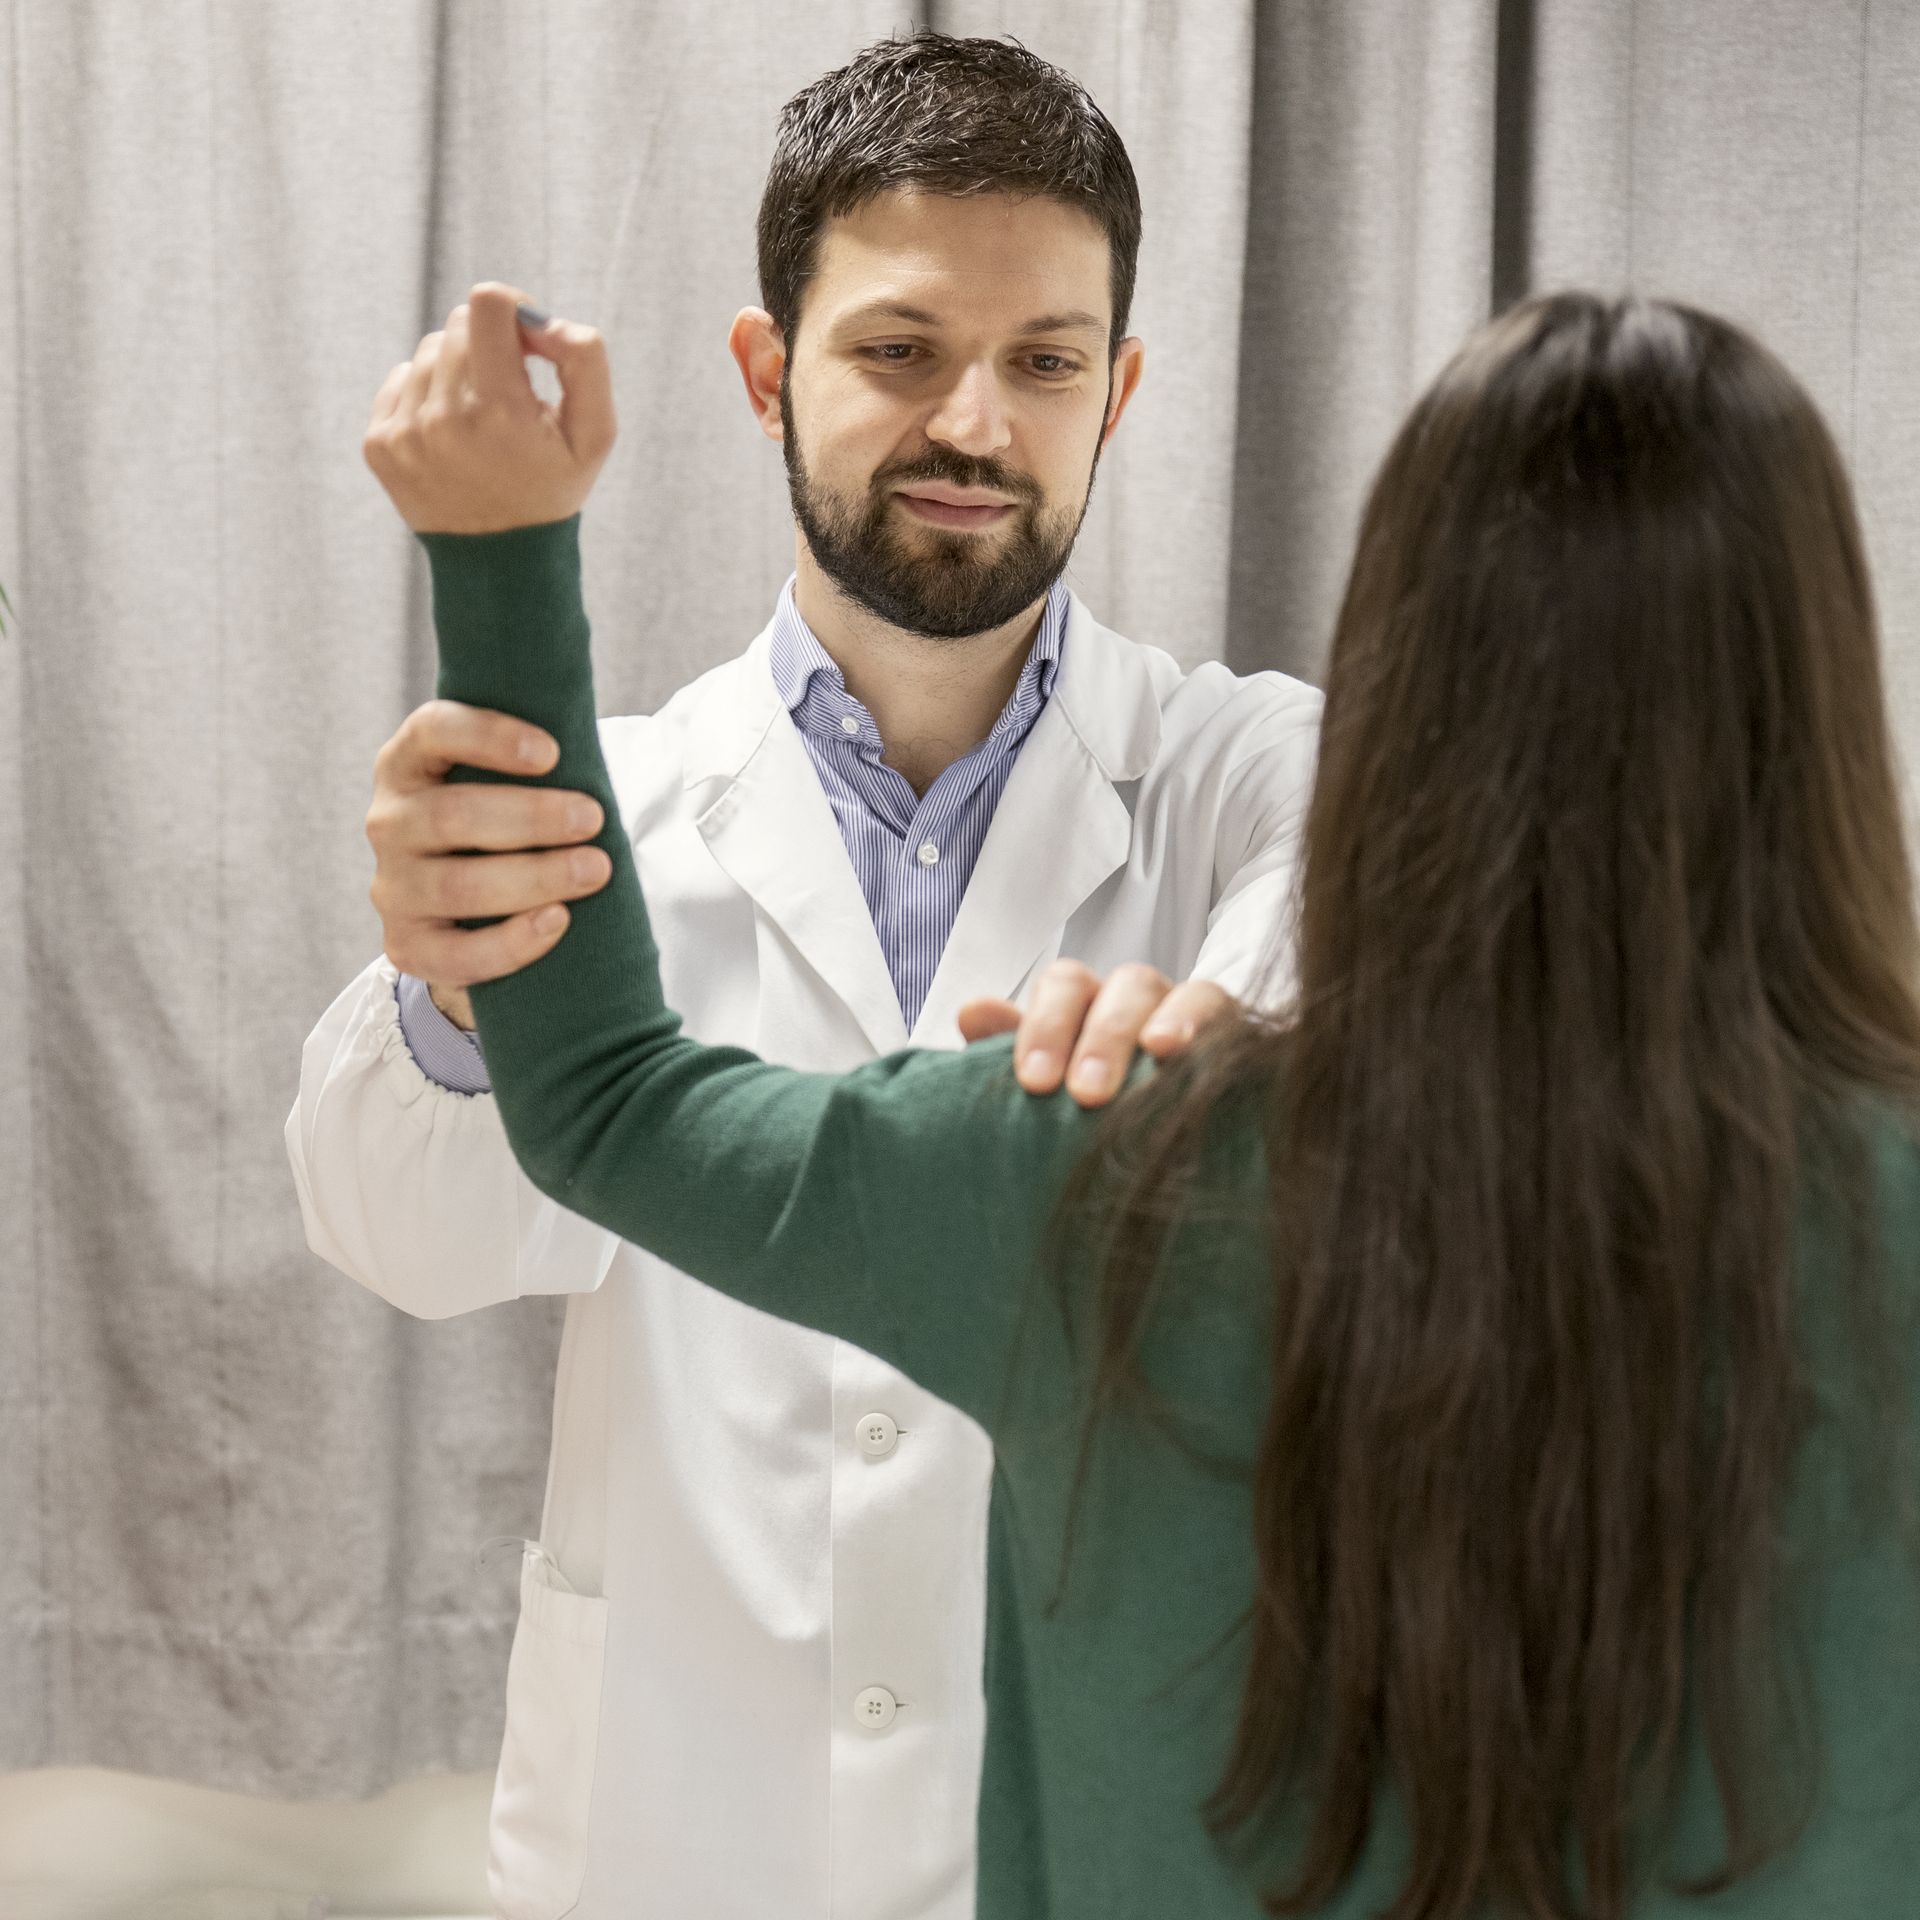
814	690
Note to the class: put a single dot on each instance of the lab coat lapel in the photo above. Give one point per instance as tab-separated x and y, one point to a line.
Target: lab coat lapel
1061	827
772	831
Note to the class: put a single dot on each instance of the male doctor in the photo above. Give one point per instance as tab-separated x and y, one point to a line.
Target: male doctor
746	1680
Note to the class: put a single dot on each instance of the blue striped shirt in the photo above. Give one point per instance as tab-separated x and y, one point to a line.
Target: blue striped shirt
913	854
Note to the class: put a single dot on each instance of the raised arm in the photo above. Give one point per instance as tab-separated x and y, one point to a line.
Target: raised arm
900	1206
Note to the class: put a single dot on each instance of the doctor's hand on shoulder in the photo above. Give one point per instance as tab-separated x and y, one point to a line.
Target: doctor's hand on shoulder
1083	1031
463	444
461	441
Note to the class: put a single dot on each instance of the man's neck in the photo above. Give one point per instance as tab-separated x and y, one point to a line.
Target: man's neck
933	700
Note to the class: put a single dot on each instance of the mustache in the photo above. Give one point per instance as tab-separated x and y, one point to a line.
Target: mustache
959	470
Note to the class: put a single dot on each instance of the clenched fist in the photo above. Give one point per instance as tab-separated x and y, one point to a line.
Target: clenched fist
461	441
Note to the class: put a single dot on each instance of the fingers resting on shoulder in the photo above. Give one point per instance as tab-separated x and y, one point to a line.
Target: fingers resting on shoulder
1084	1031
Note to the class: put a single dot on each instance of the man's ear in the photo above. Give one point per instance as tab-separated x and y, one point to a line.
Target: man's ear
1129	361
759	350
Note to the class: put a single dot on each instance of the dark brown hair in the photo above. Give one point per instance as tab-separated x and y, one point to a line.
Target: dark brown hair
943	115
1605	927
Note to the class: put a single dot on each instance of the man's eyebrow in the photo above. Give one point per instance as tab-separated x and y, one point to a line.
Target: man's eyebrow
887	310
1074	320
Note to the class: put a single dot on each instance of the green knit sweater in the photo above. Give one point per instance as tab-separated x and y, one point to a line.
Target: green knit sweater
902	1207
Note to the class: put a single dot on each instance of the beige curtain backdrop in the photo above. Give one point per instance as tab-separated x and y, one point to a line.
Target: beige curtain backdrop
242	1499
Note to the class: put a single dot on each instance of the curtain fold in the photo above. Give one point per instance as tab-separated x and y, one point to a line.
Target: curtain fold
1368	257
24	1590
243	1497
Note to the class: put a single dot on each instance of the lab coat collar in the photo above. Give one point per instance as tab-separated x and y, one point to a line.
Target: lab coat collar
1103	686
1107	693
772	831
1060	829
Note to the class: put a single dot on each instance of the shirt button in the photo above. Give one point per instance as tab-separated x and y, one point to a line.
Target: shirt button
848	724
875	1708
929	854
877	1435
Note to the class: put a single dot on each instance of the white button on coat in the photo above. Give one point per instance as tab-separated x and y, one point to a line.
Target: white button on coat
848	724
929	853
875	1708
877	1435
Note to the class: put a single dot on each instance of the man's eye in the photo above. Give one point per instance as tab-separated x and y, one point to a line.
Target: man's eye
1054	364
895	353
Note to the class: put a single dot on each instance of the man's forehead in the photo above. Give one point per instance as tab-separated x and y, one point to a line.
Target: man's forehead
934	260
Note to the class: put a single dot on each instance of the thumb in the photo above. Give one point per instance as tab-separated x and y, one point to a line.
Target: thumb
579	355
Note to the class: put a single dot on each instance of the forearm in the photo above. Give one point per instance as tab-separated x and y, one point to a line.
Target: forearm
693	1152
883	1205
514	636
455	1003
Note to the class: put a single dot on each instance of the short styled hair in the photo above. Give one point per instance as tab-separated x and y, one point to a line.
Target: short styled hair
943	115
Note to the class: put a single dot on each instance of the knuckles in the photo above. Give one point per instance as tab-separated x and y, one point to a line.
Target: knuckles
1137	977
1075	974
429	729
380	827
452	889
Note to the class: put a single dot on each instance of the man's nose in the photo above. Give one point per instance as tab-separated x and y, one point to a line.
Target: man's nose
972	415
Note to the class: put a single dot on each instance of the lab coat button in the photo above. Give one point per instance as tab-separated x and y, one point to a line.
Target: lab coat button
929	853
877	1435
875	1708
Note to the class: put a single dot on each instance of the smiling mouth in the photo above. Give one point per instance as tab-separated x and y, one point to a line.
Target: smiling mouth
944	513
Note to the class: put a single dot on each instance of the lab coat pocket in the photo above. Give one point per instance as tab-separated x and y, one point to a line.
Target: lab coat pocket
537	1836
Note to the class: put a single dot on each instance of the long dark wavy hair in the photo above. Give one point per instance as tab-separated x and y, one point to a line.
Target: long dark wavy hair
1605	927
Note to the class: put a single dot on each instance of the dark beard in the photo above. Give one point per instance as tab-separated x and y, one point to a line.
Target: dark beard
952	585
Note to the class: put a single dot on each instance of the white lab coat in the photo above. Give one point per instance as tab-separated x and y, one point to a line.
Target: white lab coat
732	1553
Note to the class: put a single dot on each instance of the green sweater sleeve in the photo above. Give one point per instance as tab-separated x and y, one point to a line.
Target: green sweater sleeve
900	1206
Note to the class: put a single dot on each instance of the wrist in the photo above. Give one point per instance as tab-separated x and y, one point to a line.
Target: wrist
455	1003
